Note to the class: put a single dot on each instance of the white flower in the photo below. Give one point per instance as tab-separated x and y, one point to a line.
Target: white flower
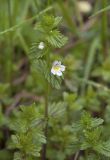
57	68
41	45
84	6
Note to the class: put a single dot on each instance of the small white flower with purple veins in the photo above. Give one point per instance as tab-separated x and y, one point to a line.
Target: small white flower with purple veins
57	68
41	45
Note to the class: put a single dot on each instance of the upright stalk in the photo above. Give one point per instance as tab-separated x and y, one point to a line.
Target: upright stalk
76	156
9	12
10	44
44	149
104	28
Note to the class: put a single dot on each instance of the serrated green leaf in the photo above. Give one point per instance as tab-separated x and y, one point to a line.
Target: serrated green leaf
56	109
41	67
103	148
56	39
96	122
36	53
17	156
57	21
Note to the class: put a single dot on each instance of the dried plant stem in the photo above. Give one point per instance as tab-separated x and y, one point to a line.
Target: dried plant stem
76	156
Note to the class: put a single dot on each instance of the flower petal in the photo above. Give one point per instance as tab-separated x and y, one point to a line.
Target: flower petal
59	62
57	68
53	71
62	68
59	73
55	63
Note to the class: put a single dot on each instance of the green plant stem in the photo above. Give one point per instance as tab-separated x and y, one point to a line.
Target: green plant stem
100	11
9	12
94	84
68	114
44	150
10	44
48	3
13	28
104	29
89	64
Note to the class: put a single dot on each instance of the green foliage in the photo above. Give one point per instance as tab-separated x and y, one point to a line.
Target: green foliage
3	122
2	117
55	122
4	91
103	70
6	155
36	53
3	88
56	39
51	37
41	67
103	148
89	135
17	156
48	27
28	137
56	110
90	100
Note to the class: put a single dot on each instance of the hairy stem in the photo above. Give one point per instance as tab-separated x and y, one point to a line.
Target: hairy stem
46	124
44	149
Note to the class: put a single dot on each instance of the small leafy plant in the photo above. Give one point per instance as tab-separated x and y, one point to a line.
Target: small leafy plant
28	137
54	93
31	125
89	136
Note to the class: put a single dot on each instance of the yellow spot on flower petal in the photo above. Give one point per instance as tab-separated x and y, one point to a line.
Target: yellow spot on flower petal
56	68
